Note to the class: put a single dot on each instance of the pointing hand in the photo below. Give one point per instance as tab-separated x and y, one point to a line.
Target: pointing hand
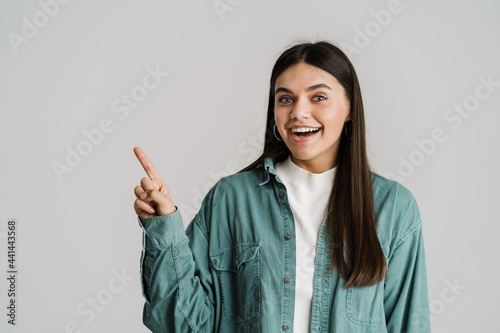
153	196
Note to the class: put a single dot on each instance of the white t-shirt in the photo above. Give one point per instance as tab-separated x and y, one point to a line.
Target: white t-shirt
308	195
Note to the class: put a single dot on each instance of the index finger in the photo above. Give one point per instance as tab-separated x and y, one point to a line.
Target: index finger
146	164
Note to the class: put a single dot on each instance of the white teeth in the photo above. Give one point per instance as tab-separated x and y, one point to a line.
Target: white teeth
303	129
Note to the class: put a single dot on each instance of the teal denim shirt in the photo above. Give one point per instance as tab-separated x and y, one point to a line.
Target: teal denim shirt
226	272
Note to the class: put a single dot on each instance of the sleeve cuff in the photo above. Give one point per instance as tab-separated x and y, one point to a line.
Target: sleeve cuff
161	231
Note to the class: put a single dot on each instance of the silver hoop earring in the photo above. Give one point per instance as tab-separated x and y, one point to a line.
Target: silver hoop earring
345	131
274	131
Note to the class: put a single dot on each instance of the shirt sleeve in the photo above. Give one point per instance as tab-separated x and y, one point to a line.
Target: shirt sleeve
178	294
406	297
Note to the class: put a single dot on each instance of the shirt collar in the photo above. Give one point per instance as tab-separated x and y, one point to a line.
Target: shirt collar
295	175
269	169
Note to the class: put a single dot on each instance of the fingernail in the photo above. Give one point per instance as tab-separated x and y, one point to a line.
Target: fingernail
151	211
143	195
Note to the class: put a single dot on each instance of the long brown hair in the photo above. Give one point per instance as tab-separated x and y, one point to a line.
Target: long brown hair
351	220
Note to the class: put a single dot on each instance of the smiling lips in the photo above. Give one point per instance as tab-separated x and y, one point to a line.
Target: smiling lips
301	134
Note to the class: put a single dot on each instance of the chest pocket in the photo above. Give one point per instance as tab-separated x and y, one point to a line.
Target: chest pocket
365	305
239	281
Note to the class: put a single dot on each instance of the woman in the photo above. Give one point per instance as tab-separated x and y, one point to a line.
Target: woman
306	239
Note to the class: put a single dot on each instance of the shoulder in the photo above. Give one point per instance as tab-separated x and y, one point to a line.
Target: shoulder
229	188
231	191
398	214
385	189
251	177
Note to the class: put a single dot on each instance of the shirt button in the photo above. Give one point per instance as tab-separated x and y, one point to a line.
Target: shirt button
285	327
288	236
282	194
287	280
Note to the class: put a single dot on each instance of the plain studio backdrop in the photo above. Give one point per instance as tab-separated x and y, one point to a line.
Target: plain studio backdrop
83	82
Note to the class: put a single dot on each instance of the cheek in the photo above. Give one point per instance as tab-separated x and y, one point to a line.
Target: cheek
334	129
334	122
334	116
280	116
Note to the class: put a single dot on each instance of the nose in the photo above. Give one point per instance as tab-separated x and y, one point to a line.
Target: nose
300	110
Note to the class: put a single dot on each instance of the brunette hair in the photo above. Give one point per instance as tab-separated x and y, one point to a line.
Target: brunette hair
351	220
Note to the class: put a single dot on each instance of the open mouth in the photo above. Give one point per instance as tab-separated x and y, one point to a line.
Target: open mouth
301	132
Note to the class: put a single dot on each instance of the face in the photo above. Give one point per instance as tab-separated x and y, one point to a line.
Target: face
310	109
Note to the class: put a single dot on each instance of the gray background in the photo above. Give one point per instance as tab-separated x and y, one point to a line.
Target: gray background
205	120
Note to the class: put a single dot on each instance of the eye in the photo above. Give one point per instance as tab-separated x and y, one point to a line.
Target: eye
284	99
319	98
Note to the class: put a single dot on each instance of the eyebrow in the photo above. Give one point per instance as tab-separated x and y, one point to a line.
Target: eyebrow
311	88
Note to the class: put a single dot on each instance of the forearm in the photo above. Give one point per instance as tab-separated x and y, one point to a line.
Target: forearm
176	300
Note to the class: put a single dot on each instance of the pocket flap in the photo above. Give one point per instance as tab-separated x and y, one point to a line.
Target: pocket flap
231	258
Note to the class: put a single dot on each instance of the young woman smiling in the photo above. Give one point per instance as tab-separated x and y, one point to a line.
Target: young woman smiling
306	239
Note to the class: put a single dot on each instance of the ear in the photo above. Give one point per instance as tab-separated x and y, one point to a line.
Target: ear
348	117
